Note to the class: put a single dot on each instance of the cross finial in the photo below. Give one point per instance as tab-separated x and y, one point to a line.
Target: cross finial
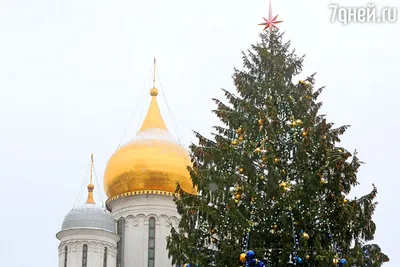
90	187
154	74
91	168
154	91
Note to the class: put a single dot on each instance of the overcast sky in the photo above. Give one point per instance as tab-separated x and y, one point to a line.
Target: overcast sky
72	72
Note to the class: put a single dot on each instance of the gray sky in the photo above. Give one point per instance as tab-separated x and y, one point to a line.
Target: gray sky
72	72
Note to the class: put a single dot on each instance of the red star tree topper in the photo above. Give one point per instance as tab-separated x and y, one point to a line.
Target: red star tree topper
270	22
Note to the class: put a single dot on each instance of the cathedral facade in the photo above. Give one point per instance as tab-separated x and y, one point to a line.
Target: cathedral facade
139	181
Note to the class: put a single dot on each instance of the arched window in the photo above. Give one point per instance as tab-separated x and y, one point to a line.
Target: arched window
120	244
84	256
152	239
105	257
65	256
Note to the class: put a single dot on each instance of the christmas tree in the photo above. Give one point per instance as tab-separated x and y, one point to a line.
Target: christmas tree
273	182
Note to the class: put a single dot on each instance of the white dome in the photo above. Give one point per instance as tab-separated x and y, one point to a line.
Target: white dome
89	216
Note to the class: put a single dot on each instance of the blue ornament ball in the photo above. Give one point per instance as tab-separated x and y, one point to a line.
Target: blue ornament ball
250	255
342	262
299	260
261	264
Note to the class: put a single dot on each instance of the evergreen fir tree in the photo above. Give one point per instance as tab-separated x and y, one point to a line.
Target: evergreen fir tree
274	179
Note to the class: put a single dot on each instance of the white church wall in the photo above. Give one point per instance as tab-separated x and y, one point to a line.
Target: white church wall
95	239
137	211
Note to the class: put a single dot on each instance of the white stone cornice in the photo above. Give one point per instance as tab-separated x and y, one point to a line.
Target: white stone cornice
91	233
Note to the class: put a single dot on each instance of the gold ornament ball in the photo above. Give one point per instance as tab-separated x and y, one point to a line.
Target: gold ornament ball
276	160
262	177
275	226
308	257
304	133
335	262
238	196
306	236
340	151
241	170
264	159
236	201
283	184
293	124
260	122
243	257
239	131
305	83
283	172
241	138
299	122
234	142
257	150
344	201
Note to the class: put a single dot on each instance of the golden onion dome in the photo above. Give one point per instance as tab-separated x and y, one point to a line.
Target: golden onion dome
153	162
